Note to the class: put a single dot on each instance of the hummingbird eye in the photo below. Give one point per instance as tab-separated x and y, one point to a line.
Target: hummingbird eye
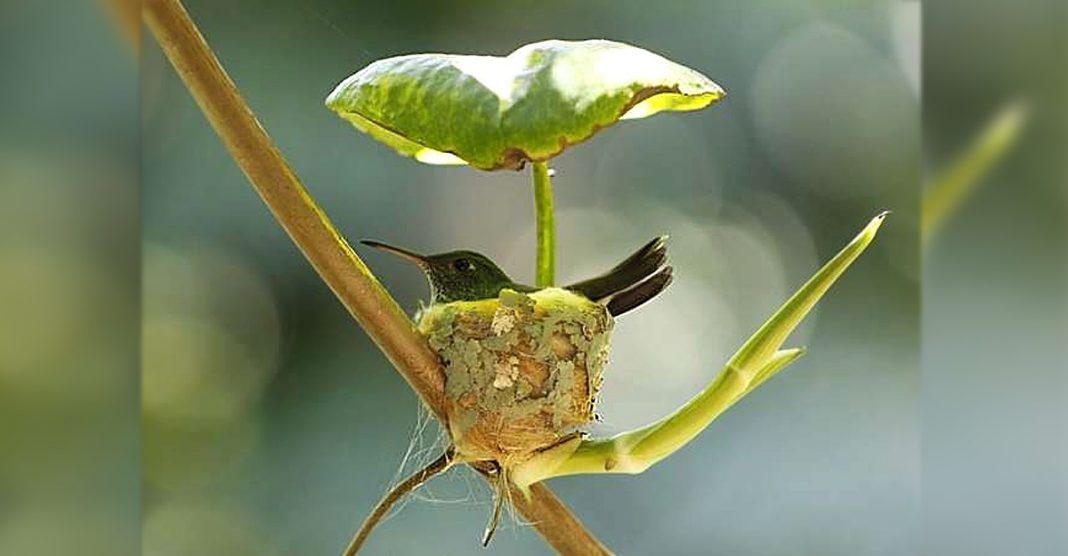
463	265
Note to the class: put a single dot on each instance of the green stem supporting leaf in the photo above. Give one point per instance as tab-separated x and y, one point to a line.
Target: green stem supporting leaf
543	206
758	360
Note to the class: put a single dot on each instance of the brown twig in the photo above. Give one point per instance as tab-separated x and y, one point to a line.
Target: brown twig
416	480
556	523
331	256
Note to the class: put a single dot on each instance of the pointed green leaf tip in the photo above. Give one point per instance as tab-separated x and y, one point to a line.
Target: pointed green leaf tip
493	112
759	359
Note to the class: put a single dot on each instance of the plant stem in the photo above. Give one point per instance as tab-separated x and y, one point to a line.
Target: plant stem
331	256
292	205
546	512
416	480
543	208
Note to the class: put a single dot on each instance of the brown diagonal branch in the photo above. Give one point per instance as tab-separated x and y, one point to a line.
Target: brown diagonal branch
556	523
331	256
292	205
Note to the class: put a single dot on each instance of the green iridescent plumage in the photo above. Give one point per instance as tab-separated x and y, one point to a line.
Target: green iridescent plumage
470	276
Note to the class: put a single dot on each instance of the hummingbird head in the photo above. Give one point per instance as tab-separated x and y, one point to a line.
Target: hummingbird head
455	275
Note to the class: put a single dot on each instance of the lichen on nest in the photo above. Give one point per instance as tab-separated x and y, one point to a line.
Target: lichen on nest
522	371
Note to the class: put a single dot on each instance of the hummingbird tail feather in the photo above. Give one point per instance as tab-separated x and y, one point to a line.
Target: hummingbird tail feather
637	268
634	297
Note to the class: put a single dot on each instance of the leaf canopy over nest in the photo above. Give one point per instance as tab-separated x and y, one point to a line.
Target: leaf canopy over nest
501	112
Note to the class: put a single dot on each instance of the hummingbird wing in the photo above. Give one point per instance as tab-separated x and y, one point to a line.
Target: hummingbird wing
624	287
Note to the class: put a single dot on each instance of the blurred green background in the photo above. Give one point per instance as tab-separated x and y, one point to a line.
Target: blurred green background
271	423
200	377
69	276
995	307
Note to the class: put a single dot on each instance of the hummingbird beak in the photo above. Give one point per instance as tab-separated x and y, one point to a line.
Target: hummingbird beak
402	253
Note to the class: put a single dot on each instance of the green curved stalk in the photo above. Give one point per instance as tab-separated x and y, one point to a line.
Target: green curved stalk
543	207
759	359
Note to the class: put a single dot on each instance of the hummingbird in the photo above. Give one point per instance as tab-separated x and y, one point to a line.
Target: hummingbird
469	276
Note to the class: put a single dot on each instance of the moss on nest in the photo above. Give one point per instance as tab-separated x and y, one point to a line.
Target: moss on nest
522	371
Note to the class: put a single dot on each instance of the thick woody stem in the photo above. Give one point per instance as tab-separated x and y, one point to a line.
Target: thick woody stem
331	256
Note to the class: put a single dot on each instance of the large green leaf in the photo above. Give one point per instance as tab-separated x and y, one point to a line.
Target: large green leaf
493	112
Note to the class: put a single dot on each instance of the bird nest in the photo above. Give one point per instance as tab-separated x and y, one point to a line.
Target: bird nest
522	370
